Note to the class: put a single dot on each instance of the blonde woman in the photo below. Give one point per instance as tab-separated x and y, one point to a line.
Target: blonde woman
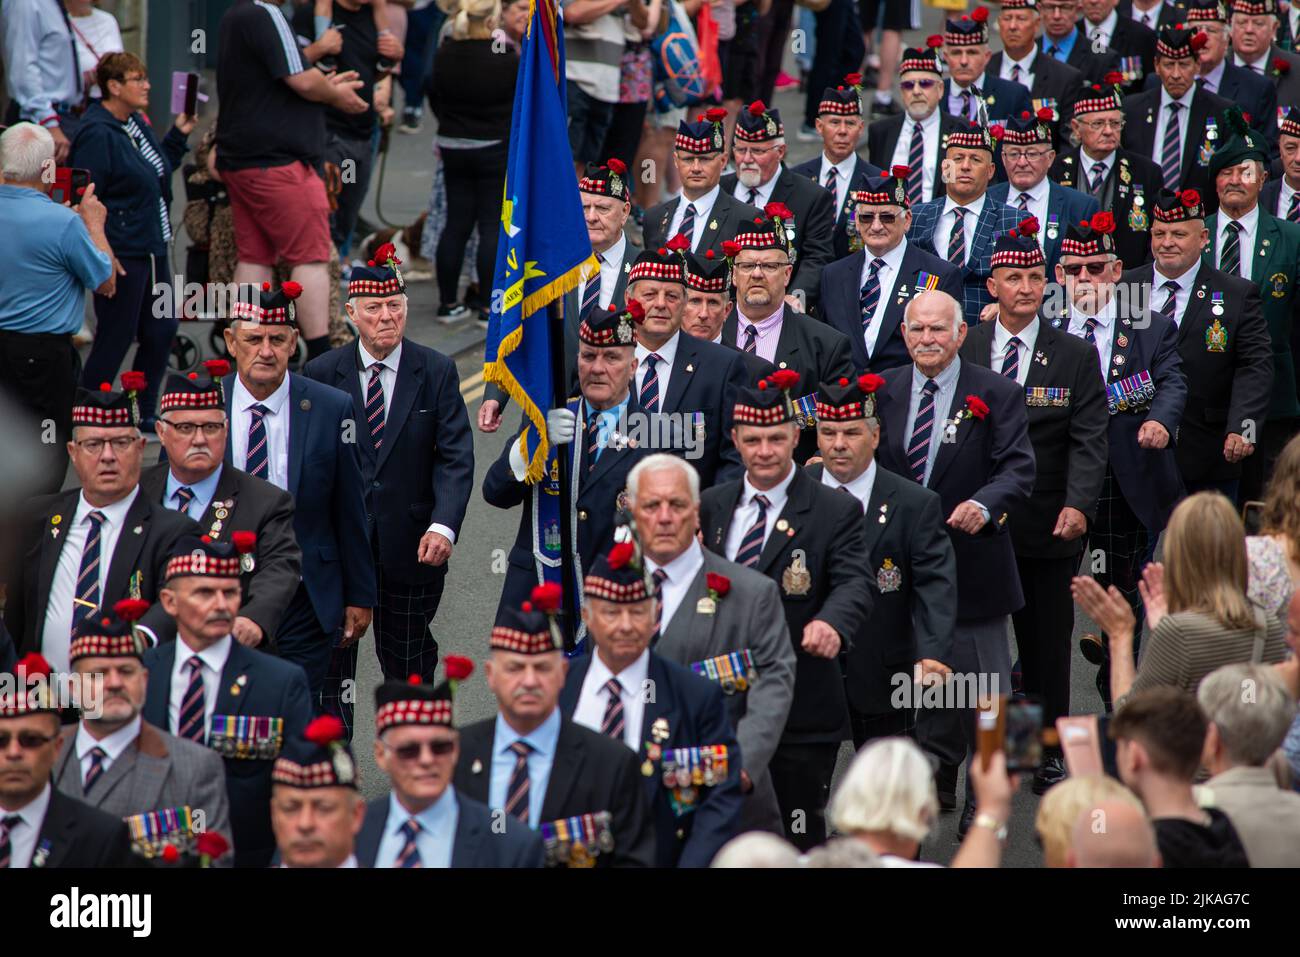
1274	554
1196	605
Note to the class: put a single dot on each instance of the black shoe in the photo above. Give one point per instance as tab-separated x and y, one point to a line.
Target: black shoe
967	819
1050	772
1092	647
945	784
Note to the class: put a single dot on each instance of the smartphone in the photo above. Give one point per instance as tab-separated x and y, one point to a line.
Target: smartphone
1252	516
1014	727
185	93
69	184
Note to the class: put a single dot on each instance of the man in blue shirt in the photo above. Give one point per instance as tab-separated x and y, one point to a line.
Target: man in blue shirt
53	254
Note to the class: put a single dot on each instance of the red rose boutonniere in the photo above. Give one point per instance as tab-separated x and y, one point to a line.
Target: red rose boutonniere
718	585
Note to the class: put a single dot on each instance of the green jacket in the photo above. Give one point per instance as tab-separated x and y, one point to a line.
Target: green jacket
1276	270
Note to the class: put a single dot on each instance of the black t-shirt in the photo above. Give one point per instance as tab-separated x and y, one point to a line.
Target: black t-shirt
261	121
1188	844
360	52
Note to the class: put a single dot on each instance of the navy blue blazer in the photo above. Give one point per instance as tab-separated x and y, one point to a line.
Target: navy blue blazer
704	379
995	219
1148	478
989	460
424	470
845	231
1255	94
1064	206
1002	98
841	303
477	842
255	684
696	715
329	518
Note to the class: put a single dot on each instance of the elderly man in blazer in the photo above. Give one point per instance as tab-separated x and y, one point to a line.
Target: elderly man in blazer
722	620
193	478
1051	84
972	88
864	295
116	761
417	464
963	432
1254	31
1103	28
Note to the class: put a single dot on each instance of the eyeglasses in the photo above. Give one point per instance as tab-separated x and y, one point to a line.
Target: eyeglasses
411	752
885	219
186	429
907	86
767	269
752	151
1103	124
1094	269
135	79
1015	156
95	446
27	740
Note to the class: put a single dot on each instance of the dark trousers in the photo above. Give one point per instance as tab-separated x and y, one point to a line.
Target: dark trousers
128	318
356	160
801	775
422	27
1044	628
38	374
403	642
624	134
900	723
773	34
1257	468
839	51
1229	487
474	179
302	641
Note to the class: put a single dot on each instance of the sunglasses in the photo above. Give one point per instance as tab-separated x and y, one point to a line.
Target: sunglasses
1094	269
907	86
886	219
411	752
27	740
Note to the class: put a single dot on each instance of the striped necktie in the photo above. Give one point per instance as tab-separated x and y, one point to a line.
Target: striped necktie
832	187
918	449
965	105
1170	308
375	405
1011	360
256	462
957	238
1023	202
7	825
1293	212
650	383
1098	178
409	855
517	790
1015	73
184	495
916	166
97	756
591	292
1230	256
751	338
688	224
88	576
659	576
593	440
1171	164
1054	52
753	197
611	725
751	546
870	297
190	723
1090	330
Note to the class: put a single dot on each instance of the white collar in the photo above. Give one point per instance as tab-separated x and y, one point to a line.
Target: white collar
430	818
632	678
704	202
1088	162
974	208
1036	193
976	84
844	167
1106	26
666	353
860	487
244	400
214	656
1104	318
112	744
1153	13
1002	335
1185	100
1250	65
893	259
777	491
115	513
1249	222
1027	64
1185	281
684	566
613	256
390	361
33	812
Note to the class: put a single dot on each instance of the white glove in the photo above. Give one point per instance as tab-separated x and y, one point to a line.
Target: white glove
561	424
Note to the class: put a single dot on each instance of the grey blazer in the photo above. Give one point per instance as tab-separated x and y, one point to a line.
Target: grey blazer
157	771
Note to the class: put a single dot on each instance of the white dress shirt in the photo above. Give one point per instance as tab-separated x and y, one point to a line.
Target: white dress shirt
1214	79
1026	67
1104	332
1184	294
112	744
930	137
611	266
277	430
681	572
946	391
663	368
593	699
56	636
1245	236
747	511
843	176
1259	66
703	210
214	660
22	838
860	487
435	838
764	190
1087	162
1002	338
1162	120
1106	28
1153	14
969	221
888	276
1037	203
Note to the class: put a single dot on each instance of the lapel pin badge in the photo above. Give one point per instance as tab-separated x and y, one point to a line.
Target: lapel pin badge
476	767
305	405
139	529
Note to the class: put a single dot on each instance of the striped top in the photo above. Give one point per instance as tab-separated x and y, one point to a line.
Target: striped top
141	142
1187	646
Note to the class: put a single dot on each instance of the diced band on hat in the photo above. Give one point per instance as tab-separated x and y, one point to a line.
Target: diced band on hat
624	593
505	638
420	712
320	774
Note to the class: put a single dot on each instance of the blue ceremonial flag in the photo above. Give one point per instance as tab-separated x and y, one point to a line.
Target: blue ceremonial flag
543	250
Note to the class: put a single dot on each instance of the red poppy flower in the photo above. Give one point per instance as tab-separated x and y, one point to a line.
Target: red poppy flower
720	584
244	542
547	598
131	609
975	405
457	667
870	382
324	730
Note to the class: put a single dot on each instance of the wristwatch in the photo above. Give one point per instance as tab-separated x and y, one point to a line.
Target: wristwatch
999	828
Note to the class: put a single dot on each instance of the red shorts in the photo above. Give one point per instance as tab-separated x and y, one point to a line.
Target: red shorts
280	214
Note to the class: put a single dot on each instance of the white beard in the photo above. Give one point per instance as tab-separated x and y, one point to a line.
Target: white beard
750	180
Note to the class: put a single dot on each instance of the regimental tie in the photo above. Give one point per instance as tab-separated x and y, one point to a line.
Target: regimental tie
966	104
1170	307
1230	255
1090	329
870	296
751	546
753	197
256	462
611	725
1023	202
190	723
375	405
650	383
1171	163
1011	360
1293	212
88	575
918	449
591	291
593	439
688	224
957	238
7	825
1015	72
751	337
517	790
916	166
1098	178
659	576
183	495
832	187
96	769
409	855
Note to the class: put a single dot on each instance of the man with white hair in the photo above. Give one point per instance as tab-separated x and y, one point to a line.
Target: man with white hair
1250	710
962	431
1254	46
53	255
1113	834
722	620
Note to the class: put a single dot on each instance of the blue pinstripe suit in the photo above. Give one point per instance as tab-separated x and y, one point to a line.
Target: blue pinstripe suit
995	219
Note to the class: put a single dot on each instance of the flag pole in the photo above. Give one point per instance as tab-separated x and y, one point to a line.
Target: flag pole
559	400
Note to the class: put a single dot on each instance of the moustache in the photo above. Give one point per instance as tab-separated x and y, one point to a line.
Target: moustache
525	690
219	616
